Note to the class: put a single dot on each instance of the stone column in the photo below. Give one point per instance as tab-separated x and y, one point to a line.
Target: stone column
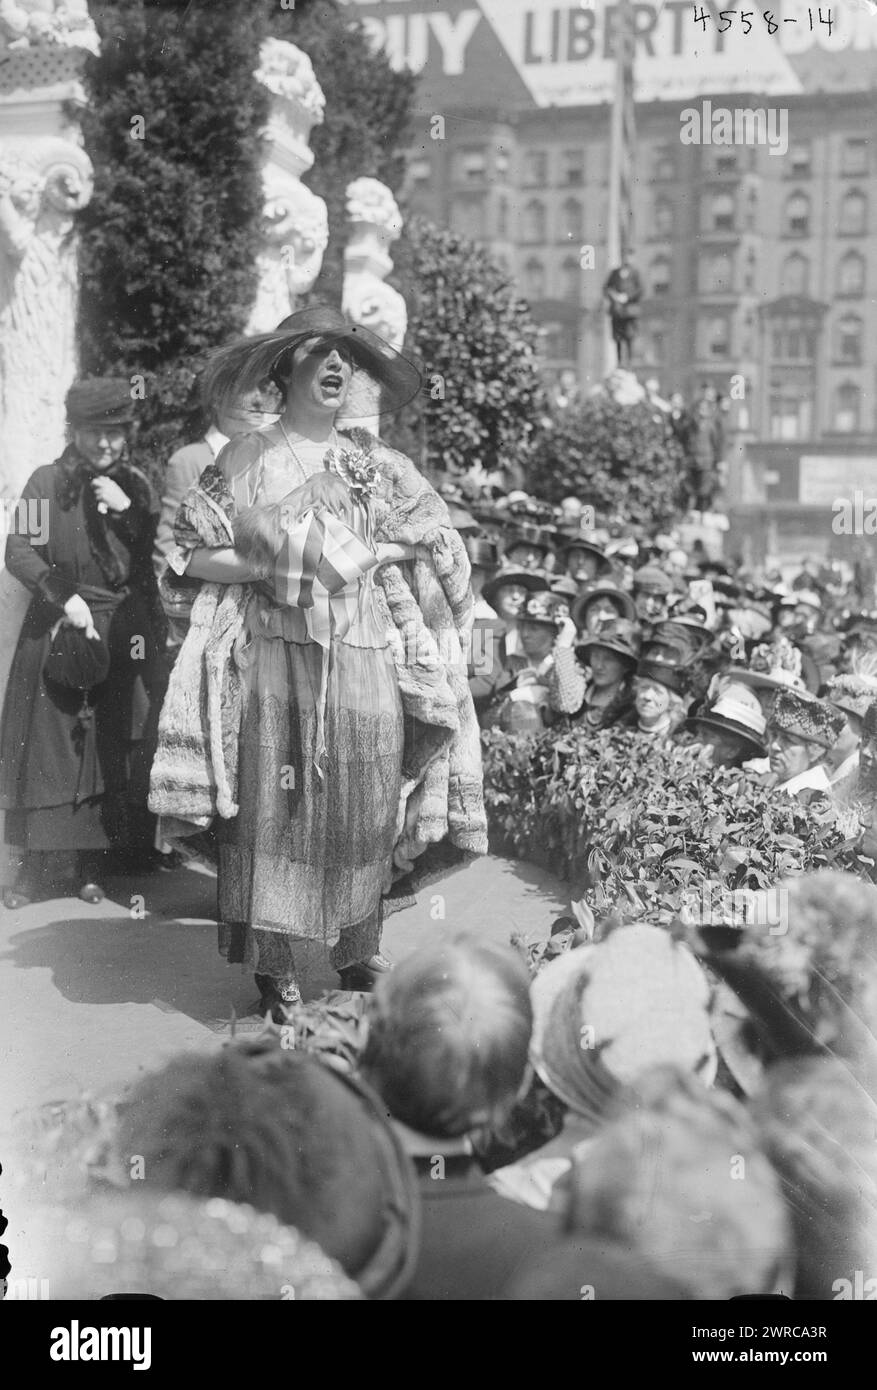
45	178
374	224
295	223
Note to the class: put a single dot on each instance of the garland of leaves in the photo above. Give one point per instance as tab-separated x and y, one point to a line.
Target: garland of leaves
649	829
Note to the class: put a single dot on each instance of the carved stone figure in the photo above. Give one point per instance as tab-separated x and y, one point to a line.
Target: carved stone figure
38	297
375	223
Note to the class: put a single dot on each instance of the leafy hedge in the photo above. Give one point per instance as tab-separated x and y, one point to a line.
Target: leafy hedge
616	458
647	829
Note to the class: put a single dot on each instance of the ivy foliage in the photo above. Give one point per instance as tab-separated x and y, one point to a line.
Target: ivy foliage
616	458
651	829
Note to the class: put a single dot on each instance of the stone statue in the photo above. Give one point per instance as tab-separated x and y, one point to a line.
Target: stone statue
38	296
39	23
375	223
295	228
295	232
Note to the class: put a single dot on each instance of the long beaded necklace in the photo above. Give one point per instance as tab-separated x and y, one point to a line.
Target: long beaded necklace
331	443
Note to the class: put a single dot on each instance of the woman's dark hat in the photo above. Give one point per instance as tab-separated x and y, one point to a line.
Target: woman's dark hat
245	365
75	661
528	533
482	552
619	635
664	661
100	400
566	587
618	596
576	540
533	580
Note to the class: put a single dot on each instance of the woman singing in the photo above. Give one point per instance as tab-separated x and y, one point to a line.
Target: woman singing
316	546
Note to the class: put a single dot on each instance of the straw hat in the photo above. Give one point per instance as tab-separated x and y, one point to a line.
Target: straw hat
735	711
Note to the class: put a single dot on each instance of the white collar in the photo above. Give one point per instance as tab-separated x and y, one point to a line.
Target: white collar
812	779
215	440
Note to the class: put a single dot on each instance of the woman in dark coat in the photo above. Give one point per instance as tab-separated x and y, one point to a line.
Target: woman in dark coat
81	544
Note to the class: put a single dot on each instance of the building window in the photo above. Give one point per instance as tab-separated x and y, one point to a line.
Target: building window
571	280
467	217
659	275
795	274
663	217
851	274
721	213
797	218
854	159
790	410
853	213
470	165
847	408
849	339
801	160
572	225
535	168
665	162
717	274
534	221
534	279
793	340
572	168
717	337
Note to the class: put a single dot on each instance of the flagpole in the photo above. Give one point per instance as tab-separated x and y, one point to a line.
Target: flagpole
622	140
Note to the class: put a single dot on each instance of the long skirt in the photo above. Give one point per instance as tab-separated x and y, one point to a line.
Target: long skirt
303	865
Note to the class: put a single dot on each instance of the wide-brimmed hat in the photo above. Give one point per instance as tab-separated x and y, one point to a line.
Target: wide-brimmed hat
853	691
735	711
803	716
604	1014
618	635
544	607
578	540
482	552
775	665
619	597
532	580
664	660
529	533
651	579
100	400
382	380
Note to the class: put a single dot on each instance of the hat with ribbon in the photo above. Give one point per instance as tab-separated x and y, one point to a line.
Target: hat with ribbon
605	1013
853	691
736	710
802	716
482	552
619	598
100	401
617	635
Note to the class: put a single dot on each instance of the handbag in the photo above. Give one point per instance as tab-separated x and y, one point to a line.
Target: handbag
75	661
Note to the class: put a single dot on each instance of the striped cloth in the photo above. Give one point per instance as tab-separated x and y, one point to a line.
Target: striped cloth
318	570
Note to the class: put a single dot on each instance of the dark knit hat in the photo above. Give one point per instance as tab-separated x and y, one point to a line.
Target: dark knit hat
100	400
805	717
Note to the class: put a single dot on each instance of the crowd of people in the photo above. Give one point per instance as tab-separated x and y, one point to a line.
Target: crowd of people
578	626
293	651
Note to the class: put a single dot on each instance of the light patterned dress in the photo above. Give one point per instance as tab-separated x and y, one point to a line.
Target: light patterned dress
303	865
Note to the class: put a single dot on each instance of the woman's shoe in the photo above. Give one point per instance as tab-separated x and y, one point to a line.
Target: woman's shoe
277	997
91	893
363	975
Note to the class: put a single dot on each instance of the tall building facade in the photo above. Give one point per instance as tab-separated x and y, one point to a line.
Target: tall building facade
755	213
